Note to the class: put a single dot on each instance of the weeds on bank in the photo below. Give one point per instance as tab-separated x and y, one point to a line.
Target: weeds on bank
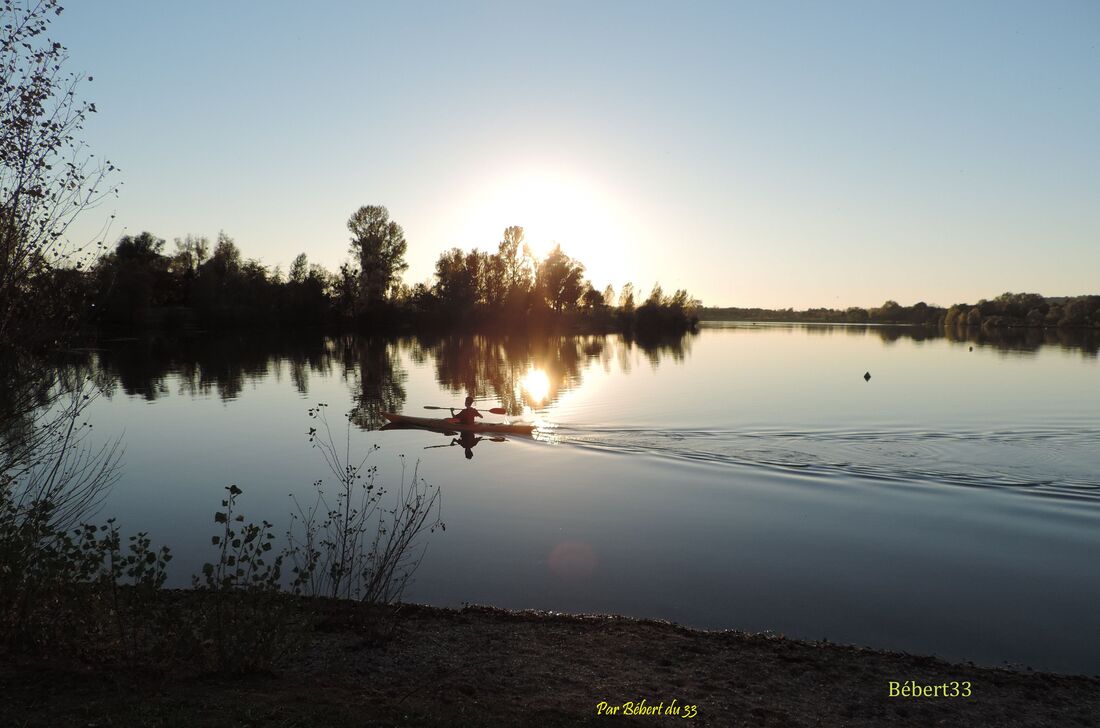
82	590
347	543
244	623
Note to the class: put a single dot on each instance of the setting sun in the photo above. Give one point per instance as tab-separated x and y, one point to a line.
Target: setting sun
554	208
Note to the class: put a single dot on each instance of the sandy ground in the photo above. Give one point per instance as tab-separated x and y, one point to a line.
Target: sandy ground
482	666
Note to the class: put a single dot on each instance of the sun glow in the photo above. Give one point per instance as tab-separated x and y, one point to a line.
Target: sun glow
536	385
553	208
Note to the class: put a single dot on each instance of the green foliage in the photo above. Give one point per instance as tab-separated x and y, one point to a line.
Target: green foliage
358	540
242	549
77	588
243	623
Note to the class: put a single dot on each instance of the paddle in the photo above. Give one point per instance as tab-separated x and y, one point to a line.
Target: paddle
495	438
494	410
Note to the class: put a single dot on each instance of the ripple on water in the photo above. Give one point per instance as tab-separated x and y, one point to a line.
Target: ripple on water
1052	462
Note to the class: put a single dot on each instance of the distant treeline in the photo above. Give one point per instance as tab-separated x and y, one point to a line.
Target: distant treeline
1006	310
142	283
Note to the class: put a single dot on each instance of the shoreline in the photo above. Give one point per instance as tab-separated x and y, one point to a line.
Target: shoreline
488	666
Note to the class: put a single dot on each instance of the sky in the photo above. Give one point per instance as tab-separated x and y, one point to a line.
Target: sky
757	154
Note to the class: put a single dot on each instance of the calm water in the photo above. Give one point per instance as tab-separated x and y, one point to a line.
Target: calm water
746	477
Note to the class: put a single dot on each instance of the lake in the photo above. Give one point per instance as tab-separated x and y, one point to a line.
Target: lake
745	477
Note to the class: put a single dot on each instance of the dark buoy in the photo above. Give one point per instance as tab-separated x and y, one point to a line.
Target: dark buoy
867	376
972	348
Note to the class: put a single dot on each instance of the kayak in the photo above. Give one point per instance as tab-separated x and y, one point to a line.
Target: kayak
429	423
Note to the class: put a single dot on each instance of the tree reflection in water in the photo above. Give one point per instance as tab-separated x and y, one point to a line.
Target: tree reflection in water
518	372
522	374
373	369
1005	339
525	373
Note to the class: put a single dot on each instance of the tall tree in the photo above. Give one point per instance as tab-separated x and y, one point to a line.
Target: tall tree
46	176
132	279
139	248
226	260
456	275
299	269
626	298
560	279
592	298
379	244
514	259
191	252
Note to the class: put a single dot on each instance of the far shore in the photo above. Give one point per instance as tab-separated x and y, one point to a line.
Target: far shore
484	666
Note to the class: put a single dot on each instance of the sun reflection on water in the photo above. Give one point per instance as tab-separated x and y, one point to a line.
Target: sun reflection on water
536	385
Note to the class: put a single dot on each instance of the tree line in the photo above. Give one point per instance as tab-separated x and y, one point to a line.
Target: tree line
1011	310
142	282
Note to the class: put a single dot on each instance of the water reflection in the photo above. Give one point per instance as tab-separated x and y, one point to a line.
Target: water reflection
1014	339
467	441
524	375
202	366
373	369
756	467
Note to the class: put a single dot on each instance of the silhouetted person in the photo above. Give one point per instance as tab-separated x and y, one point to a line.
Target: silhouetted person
466	416
467	440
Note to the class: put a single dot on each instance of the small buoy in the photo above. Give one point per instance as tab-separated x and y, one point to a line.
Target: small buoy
867	376
972	348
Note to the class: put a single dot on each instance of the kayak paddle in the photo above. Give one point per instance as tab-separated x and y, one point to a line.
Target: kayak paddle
495	438
494	410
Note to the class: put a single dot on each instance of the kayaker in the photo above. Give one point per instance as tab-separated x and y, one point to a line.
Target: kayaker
466	416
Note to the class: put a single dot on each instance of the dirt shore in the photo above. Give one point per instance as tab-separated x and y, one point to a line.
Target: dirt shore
482	666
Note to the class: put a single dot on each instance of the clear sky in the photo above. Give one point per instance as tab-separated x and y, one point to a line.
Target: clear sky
767	153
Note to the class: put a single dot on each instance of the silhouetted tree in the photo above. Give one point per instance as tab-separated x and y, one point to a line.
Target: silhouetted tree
226	260
47	177
888	312
191	252
139	249
592	299
516	261
560	280
856	315
456	275
379	245
626	298
299	269
133	279
955	316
